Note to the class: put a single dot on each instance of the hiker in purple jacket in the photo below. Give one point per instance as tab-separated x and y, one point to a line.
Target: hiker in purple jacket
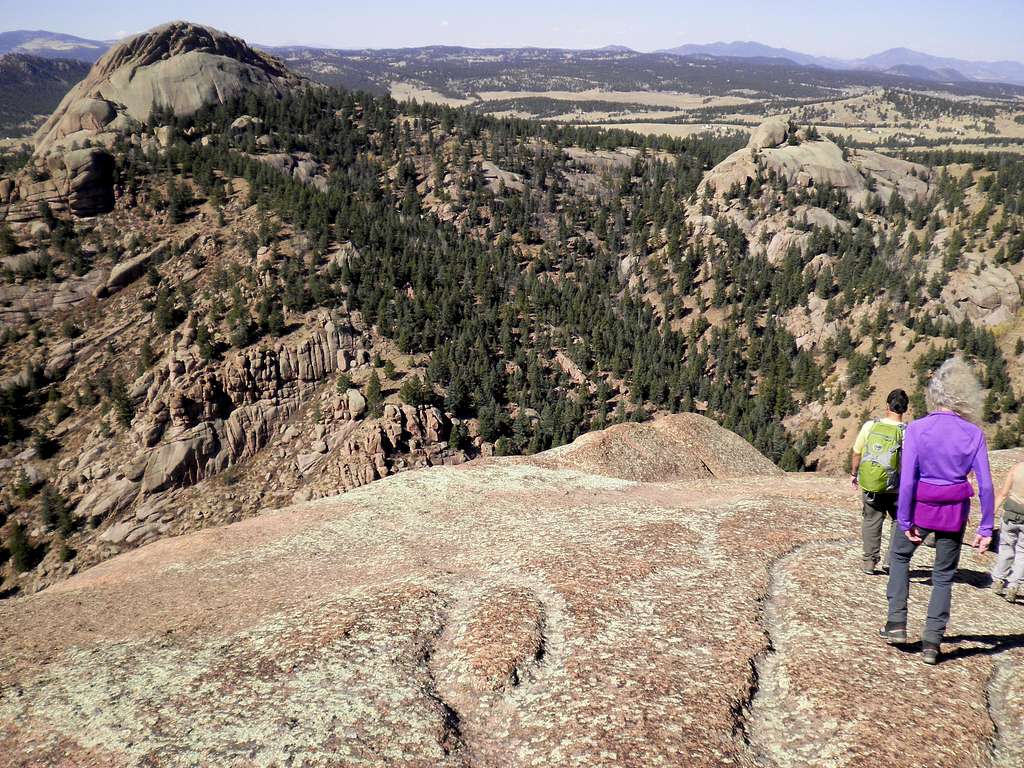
939	451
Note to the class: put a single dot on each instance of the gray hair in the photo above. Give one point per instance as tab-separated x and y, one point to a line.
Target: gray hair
954	387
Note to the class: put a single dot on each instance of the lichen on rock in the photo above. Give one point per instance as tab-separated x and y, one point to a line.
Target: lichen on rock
509	612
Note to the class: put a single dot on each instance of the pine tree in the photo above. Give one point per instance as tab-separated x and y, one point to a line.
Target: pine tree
179	198
22	485
414	392
124	408
146	356
45	445
8	245
204	340
22	554
164	315
54	511
374	395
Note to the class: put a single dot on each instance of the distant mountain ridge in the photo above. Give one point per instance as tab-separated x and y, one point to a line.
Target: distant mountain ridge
902	61
747	50
52	45
31	86
916	71
459	72
896	61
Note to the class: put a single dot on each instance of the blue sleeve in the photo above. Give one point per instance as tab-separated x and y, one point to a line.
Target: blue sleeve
985	491
908	481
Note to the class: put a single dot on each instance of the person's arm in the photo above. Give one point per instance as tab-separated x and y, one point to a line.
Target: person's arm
984	475
1004	492
857	450
908	482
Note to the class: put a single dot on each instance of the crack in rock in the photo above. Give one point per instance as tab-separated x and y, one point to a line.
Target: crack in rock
450	737
741	708
1004	698
827	688
763	684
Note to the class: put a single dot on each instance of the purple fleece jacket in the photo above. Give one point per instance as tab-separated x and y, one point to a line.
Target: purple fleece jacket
940	450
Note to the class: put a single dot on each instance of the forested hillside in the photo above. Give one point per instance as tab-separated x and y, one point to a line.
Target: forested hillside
31	86
337	287
606	268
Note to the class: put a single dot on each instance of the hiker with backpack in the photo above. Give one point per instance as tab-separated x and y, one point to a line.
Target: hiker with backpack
1008	572
939	452
876	471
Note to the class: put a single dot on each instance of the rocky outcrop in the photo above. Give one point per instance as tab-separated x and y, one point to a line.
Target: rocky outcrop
106	499
405	437
892	175
299	165
992	297
183	460
199	420
125	272
859	173
783	241
80	181
509	613
194	420
810	325
26	301
771	133
814	162
179	67
685	446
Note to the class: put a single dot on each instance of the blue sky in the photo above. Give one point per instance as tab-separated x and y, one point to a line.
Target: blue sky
975	29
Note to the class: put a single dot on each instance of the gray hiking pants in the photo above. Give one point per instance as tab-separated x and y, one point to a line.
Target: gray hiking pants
877	507
947	559
1009	565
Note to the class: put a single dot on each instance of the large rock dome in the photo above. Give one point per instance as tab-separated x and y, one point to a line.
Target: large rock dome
180	67
177	66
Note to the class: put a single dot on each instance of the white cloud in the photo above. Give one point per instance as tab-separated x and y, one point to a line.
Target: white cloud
444	23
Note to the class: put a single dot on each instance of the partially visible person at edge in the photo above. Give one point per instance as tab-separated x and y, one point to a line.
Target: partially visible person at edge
1009	568
876	471
939	451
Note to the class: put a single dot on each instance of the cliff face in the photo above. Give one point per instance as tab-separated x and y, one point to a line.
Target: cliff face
513	612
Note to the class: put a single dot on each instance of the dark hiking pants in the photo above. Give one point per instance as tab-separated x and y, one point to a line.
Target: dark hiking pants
877	507
947	558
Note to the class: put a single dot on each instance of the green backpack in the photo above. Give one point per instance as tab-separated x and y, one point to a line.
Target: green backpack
879	470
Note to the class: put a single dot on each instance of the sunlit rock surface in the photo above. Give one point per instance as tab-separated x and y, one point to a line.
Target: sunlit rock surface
516	612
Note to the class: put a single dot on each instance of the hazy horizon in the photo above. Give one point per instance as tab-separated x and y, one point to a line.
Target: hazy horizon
936	28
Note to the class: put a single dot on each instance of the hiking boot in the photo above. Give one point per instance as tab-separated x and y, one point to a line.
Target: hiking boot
929	652
869	569
894	634
1010	595
997	586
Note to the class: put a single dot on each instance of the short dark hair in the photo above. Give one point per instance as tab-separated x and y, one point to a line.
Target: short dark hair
897	401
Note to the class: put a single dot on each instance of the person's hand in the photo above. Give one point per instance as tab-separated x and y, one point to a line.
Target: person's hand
853	481
914	534
981	543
